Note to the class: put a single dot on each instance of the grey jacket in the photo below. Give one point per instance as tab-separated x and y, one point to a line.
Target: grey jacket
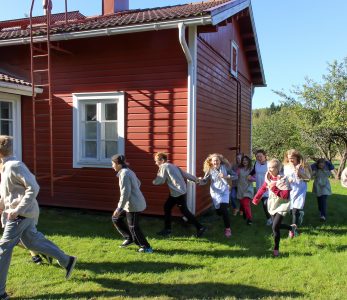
131	198
174	177
18	189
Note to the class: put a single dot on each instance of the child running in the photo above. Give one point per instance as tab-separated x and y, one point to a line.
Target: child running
321	171
233	192
175	178
245	190
218	172
259	170
131	203
298	173
278	202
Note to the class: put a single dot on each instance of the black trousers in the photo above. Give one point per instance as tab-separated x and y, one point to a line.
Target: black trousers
223	211
264	201
181	202
295	216
276	226
131	230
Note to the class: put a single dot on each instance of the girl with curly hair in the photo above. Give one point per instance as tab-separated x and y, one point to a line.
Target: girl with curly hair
218	171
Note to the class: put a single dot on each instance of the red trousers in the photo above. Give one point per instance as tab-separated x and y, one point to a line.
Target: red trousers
245	206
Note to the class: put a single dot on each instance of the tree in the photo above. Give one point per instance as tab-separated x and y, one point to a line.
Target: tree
322	111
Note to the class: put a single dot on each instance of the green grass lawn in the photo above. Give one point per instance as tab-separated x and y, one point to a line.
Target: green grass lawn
312	266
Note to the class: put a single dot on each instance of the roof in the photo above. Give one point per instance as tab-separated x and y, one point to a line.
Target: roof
14	84
40	20
13	79
124	18
210	12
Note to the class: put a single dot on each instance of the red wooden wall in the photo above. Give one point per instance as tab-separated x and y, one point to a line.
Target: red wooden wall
152	71
216	101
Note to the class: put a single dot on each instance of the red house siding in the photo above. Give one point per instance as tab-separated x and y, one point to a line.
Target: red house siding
152	71
217	102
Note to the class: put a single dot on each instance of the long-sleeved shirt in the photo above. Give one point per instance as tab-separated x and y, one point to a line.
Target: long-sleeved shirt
131	198
278	201
18	189
174	177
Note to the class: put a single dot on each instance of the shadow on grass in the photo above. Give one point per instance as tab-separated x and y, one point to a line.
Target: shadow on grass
203	290
134	267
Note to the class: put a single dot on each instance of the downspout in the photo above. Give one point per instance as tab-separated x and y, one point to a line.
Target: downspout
190	53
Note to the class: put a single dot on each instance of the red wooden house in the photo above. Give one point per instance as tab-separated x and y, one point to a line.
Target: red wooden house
178	79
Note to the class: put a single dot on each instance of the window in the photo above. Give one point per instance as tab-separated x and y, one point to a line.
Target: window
10	120
98	128
234	57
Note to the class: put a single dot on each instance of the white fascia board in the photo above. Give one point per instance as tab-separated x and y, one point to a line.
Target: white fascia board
206	20
225	11
17	89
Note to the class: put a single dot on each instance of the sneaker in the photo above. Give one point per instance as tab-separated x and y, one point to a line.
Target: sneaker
4	296
47	258
36	259
235	211
322	218
227	232
200	231
249	222
145	250
269	222
301	217
241	212
276	253
126	243
164	232
70	266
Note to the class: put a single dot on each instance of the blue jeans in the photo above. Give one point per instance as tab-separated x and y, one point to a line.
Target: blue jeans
24	230
322	205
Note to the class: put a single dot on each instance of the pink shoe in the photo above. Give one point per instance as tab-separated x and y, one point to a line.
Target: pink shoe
294	232
276	253
227	232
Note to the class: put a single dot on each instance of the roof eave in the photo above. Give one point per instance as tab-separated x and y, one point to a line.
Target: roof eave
18	89
227	10
257	46
198	21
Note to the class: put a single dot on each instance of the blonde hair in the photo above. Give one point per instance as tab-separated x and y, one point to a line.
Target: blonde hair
6	145
277	164
296	154
208	161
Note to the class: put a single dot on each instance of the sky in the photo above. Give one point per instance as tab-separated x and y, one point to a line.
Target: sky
297	38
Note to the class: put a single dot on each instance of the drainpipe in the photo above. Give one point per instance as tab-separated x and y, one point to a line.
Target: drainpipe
190	53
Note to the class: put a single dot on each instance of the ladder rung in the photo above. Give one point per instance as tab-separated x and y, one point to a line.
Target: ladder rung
40	55
43	70
41	100
41	85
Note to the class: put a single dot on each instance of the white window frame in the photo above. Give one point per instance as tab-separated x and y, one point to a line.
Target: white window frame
79	99
17	123
236	47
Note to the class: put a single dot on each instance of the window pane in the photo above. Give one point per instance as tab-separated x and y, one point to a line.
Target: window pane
90	130
6	110
110	149
111	131
90	112
6	128
89	149
111	111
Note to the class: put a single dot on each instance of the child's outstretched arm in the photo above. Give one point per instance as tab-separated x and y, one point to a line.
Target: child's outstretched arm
259	194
